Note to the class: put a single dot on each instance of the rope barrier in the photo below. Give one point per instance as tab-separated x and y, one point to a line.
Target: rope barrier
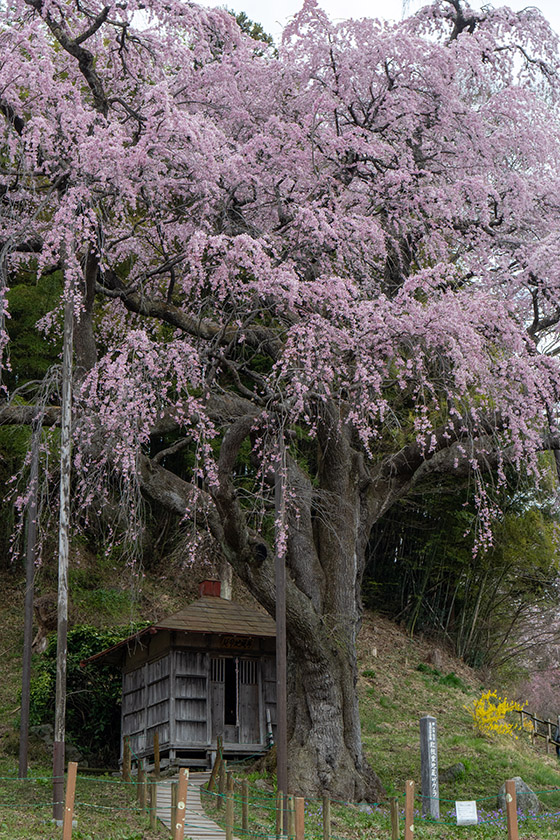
105	781
481	799
313	807
260	802
29	805
31	778
253	833
110	807
247	758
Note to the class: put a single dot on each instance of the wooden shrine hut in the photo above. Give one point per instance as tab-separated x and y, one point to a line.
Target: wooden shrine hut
206	671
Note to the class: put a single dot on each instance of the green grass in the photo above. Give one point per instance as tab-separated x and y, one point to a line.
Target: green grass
391	708
105	808
396	689
390	729
348	821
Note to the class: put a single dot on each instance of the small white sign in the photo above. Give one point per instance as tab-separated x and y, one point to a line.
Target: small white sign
466	813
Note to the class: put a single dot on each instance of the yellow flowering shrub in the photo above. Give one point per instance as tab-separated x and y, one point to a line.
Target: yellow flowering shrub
489	715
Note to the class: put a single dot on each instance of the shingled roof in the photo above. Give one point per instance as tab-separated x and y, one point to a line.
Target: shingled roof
216	615
209	614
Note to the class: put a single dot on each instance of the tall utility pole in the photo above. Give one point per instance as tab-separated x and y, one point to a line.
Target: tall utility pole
63	542
30	560
281	658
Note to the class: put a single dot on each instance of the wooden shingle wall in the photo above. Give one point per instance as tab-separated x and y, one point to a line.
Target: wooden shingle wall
158	682
134	709
191	697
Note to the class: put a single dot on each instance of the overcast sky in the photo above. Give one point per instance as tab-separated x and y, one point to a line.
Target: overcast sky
274	15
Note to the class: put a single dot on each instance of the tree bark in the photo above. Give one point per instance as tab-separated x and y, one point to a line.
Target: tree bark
85	348
324	745
325	561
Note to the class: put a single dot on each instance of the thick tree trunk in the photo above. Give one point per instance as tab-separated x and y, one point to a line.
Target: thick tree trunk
85	348
324	735
326	549
324	745
326	536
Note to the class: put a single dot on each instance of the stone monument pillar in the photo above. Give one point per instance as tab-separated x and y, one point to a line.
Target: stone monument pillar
429	763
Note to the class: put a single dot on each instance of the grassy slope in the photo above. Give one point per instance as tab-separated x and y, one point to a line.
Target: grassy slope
394	694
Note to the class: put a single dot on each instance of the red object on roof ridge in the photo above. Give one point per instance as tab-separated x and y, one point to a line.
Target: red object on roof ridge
210	588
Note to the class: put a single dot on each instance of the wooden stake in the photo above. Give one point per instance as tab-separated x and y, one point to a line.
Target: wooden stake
141	785
145	784
181	805
279	813
126	769
300	817
156	755
217	763
173	804
291	817
222	784
326	818
153	804
215	774
245	805
69	802
394	818
229	806
535	731
511	810
409	811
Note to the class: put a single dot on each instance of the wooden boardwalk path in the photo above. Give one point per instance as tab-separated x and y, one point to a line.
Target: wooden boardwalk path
197	824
